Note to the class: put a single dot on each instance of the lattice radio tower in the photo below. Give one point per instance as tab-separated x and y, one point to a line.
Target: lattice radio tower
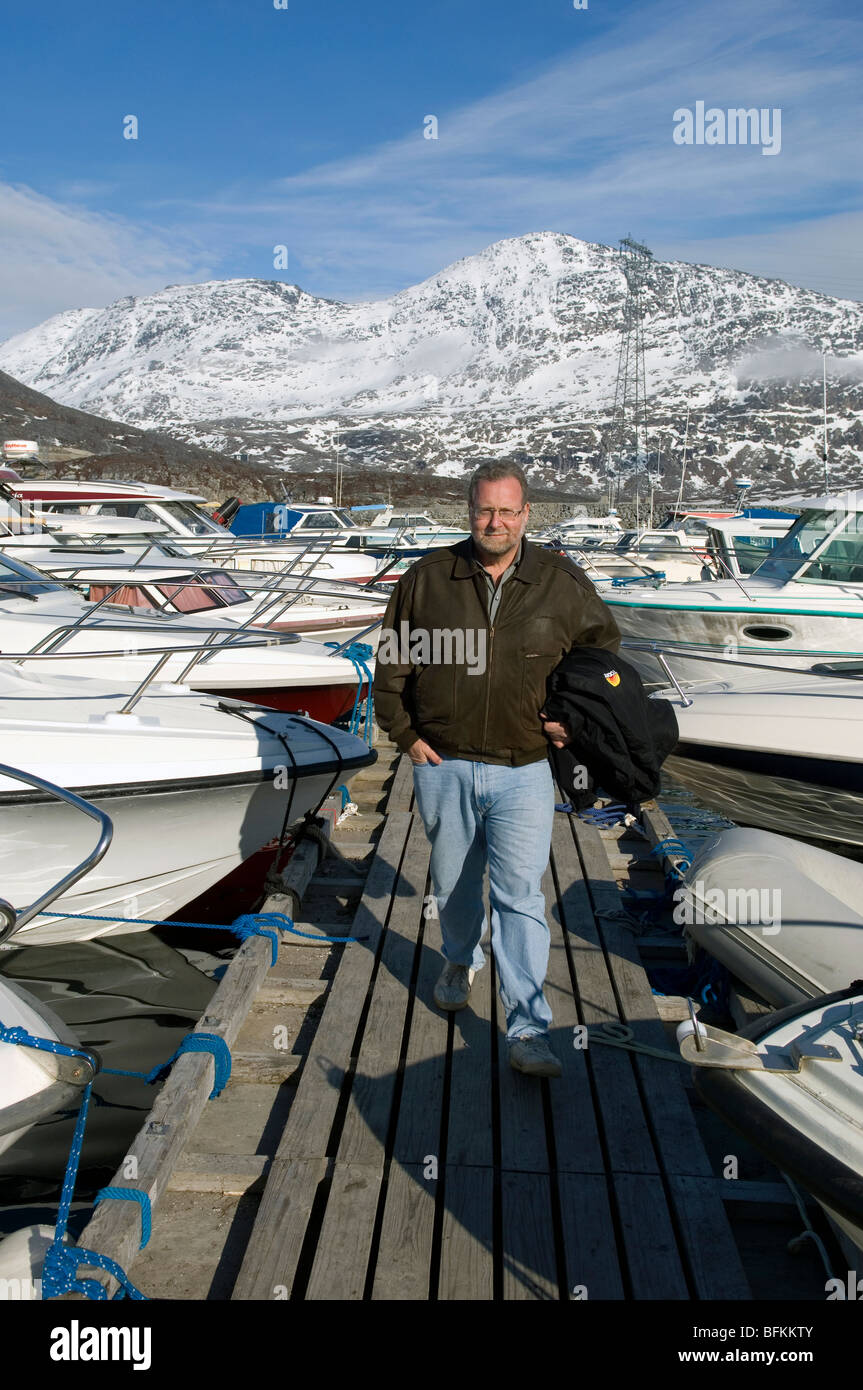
626	438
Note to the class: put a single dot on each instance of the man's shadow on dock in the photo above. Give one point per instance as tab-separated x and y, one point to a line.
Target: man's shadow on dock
479	1138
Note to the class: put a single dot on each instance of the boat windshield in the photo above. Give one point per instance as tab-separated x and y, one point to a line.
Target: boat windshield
21	579
839	562
192	518
751	551
671	540
220	591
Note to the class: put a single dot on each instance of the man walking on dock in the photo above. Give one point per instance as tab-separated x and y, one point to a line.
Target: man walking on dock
464	701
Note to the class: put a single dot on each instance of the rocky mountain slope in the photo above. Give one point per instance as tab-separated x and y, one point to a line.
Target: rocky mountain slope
511	353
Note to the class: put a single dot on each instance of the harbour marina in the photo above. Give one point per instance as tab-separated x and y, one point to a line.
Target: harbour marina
324	1131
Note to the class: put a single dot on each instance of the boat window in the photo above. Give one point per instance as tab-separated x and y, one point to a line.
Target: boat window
752	551
789	559
129	596
23	579
189	598
192	517
138	511
841	562
226	589
670	541
343	519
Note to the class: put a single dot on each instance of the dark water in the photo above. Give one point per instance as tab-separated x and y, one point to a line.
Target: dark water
132	998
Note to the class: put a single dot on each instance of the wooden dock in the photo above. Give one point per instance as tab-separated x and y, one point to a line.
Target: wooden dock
391	1152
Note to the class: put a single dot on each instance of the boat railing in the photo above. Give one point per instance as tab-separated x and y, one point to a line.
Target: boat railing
203	651
589	559
830	669
11	919
357	637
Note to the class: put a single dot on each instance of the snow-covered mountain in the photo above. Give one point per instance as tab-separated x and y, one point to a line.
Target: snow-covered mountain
511	353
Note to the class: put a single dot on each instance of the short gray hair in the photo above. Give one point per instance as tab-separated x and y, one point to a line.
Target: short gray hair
495	473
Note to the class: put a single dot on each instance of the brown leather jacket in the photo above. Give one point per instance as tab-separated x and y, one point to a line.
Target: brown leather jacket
470	690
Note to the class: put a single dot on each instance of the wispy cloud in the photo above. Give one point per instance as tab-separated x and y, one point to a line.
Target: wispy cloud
583	146
586	147
54	256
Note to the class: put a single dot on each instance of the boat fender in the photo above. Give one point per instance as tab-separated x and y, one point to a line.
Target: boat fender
688	1027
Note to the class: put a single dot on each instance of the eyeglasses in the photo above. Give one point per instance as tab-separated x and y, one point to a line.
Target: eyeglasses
486	513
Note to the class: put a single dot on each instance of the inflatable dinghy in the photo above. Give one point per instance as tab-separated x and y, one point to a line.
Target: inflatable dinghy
783	916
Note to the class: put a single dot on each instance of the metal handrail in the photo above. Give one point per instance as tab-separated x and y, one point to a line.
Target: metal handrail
79	622
205	651
679	649
66	630
337	651
106	831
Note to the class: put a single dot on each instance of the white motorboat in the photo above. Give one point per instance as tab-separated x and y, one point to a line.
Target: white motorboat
792	1084
772	749
312	608
275	668
194	785
783	916
581	531
730	548
34	1083
803	604
425	530
176	515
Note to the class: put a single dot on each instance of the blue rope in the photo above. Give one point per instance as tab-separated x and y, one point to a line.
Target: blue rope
131	1194
245	926
60	1271
673	846
21	1037
360	653
193	1042
60	1267
604	815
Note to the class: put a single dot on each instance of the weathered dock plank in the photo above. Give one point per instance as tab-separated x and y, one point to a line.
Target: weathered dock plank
672	1123
370	1104
590	1243
403	1266
529	1258
467	1242
273	1251
114	1229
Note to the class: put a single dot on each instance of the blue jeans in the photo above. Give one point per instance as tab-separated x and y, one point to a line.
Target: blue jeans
475	813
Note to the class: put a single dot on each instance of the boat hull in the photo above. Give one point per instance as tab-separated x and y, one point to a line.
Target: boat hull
809	1122
170	844
782	916
31	1087
768	632
788	794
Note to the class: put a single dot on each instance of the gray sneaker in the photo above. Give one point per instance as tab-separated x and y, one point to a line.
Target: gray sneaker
533	1056
453	986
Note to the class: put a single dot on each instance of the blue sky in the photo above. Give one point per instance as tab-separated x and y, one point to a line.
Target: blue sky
304	127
